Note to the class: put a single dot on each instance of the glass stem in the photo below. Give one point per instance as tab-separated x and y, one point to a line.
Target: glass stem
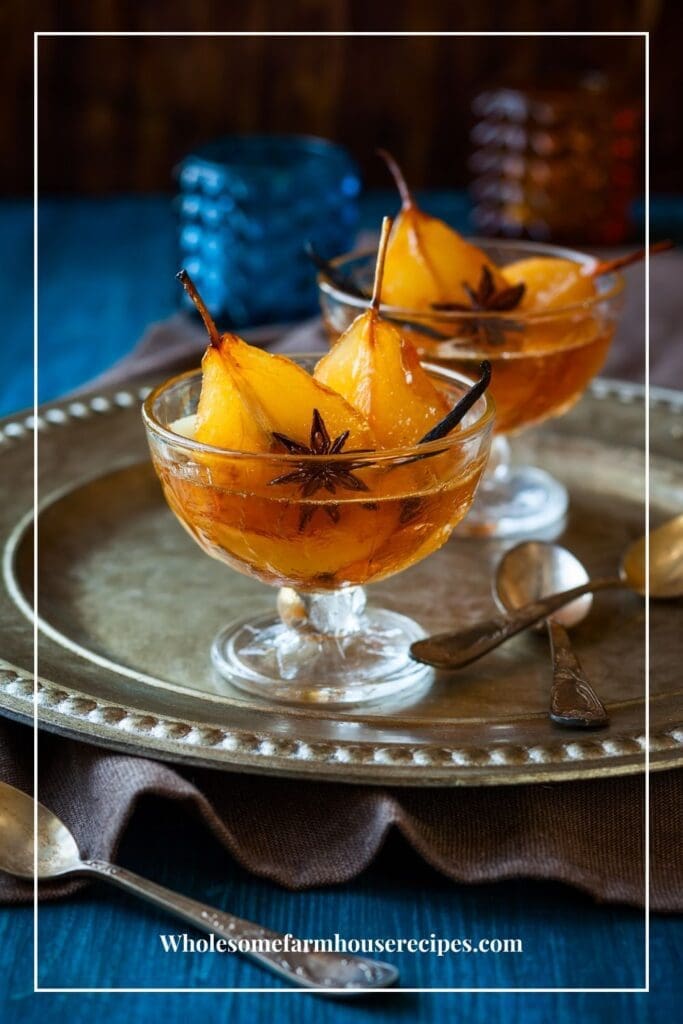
499	464
330	612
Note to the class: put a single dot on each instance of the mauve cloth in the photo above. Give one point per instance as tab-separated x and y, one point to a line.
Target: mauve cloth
177	343
589	834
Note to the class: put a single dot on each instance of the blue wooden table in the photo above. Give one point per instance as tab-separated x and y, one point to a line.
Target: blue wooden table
106	271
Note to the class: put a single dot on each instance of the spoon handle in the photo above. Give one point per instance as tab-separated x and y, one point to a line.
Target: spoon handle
455	650
317	970
573	701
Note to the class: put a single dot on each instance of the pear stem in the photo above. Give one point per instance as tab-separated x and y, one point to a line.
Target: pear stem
191	289
397	174
609	266
379	265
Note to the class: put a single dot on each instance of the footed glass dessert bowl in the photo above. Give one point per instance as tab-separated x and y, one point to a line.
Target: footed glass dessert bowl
543	355
318	520
542	318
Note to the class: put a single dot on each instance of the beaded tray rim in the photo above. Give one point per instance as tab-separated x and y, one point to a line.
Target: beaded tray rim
120	726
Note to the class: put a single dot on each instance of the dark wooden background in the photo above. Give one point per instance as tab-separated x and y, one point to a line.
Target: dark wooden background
115	114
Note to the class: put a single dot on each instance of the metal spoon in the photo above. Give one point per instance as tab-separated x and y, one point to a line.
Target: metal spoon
58	856
454	650
528	572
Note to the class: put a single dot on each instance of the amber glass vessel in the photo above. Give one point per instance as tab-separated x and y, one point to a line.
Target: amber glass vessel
384	511
542	363
560	164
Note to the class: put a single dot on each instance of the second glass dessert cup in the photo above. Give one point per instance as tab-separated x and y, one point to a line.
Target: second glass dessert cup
318	527
542	363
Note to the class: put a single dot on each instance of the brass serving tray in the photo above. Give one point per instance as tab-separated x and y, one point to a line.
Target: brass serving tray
128	606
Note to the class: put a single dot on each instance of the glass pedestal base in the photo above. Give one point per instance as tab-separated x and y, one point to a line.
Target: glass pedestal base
515	501
322	649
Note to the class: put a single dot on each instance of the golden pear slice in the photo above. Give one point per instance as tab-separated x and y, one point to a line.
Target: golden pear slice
550	283
249	395
427	261
228	416
378	371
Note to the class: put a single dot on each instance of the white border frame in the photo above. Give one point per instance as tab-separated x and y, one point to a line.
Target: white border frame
397	990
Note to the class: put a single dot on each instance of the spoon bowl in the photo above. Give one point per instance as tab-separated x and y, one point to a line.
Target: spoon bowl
535	569
666	561
57	850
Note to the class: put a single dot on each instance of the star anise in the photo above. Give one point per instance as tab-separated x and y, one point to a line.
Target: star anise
316	475
486	299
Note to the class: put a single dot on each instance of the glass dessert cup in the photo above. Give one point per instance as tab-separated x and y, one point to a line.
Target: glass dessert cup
542	363
383	511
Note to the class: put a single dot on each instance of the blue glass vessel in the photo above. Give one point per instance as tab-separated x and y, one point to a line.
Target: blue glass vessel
247	205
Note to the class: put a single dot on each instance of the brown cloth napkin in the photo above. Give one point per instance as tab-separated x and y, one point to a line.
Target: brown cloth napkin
302	834
589	834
